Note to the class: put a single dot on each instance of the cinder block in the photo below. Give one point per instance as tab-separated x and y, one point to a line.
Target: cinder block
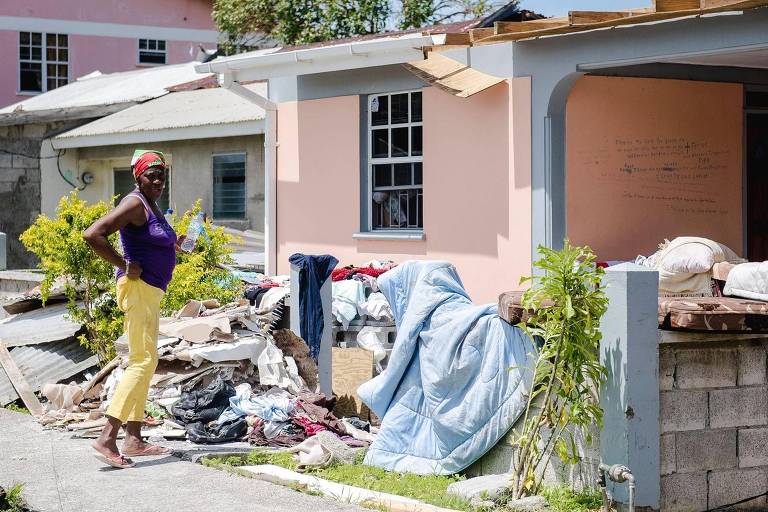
738	407
668	458
666	368
752	366
683	410
706	368
684	492
706	450
6	160
11	175
753	447
726	487
23	161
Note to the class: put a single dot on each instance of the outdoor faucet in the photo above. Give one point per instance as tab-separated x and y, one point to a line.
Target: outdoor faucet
617	473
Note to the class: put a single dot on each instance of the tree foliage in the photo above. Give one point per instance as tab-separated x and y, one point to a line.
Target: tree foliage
567	373
293	22
89	281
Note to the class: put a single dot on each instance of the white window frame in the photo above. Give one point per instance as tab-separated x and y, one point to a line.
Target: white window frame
393	160
245	186
154	50
44	62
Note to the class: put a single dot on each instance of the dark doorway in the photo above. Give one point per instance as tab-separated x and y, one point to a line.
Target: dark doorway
757	185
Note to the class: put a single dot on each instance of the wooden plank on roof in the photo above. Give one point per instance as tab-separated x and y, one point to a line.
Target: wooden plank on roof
457	39
586	17
18	381
675	5
513	27
477	34
733	4
451	76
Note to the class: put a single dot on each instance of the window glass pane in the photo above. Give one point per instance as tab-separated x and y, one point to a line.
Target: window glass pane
142	44
63	40
399	142
416	142
50	54
380	143
63	55
50	40
413	209
161	45
402	174
399	108
420	205
31	78
24	38
149	57
416	107
229	186
24	52
62	70
379	110
51	70
51	84
37	53
62	81
37	38
382	175
417	173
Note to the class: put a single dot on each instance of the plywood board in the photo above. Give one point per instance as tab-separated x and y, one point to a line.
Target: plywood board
351	368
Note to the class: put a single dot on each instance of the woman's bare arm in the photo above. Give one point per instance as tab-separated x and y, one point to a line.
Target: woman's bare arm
129	211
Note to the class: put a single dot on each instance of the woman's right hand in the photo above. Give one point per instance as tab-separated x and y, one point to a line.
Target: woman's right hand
133	269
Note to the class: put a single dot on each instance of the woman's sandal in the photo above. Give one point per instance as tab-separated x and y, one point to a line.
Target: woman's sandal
149	451
116	461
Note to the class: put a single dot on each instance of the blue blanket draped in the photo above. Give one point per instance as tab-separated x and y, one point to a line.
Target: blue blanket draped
456	380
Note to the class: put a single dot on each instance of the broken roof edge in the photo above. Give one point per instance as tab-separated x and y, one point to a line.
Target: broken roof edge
350	55
62	114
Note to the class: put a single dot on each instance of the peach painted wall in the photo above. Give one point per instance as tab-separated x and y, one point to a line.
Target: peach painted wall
650	159
477	187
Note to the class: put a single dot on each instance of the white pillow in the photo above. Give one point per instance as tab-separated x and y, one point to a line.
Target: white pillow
689	258
748	280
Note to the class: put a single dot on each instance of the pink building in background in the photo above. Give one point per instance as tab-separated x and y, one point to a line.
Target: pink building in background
47	43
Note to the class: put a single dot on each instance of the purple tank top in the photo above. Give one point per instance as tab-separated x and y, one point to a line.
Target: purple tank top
152	245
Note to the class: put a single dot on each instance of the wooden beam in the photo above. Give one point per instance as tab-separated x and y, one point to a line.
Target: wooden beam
18	382
676	5
477	34
461	38
516	27
587	17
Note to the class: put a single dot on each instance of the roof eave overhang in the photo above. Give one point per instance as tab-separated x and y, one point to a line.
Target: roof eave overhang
237	129
322	60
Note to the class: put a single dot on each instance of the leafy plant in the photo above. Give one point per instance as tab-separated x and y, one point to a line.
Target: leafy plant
567	304
11	500
67	260
420	13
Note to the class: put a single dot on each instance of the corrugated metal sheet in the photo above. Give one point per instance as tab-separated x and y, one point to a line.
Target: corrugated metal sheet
39	326
110	89
202	107
46	363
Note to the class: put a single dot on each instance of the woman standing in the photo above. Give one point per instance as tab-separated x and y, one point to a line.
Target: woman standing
143	273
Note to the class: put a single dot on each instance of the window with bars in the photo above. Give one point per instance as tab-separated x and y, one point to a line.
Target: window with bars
43	61
395	161
152	51
229	186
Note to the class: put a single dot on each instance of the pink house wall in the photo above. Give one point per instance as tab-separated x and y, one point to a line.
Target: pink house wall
105	53
477	187
650	159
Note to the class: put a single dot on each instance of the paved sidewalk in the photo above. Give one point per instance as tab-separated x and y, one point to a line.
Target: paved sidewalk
60	474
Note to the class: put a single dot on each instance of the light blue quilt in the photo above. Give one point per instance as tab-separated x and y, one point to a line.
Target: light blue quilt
456	380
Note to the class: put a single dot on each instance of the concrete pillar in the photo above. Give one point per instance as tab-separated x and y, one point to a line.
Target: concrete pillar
324	361
630	397
3	251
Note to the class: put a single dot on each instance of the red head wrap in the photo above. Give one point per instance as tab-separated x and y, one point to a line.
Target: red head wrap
147	160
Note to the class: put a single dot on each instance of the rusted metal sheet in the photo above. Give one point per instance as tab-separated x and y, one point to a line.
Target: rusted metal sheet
42	325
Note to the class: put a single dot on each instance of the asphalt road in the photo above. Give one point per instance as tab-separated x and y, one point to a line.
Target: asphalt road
60	474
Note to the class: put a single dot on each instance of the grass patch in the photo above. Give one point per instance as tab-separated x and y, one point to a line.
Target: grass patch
11	500
17	407
563	499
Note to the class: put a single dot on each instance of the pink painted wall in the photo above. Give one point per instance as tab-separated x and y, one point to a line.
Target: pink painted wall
476	203
103	53
651	159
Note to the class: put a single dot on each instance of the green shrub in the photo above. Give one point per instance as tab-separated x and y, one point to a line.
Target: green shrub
89	280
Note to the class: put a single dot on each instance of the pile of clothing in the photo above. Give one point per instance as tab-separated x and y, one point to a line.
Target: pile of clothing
356	294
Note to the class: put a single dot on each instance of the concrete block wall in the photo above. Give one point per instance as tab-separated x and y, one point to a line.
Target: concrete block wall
20	183
714	423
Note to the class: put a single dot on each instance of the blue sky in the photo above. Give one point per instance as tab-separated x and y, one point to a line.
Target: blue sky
561	7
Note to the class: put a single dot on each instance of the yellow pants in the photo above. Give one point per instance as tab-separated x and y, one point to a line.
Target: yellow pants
141	304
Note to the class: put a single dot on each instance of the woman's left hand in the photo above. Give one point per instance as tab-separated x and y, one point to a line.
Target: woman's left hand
179	241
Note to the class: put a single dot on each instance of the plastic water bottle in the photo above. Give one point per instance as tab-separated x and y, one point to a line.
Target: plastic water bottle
193	231
168	214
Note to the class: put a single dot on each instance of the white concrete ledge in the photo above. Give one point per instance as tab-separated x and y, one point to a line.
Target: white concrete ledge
340	492
390	235
669	337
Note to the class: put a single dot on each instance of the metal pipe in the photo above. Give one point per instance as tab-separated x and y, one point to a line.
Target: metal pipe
619	473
